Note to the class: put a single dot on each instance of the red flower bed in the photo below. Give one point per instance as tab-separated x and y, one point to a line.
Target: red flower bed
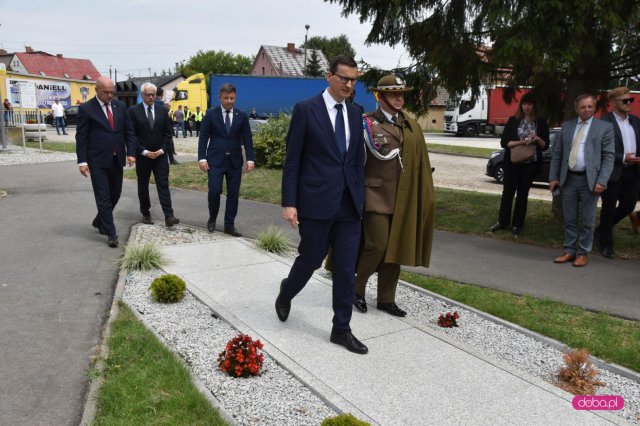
241	357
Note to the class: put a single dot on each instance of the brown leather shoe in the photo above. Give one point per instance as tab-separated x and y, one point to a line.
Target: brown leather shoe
566	257
581	260
147	220
170	221
635	222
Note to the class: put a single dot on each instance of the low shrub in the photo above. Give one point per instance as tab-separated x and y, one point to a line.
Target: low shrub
168	289
578	376
344	419
273	239
269	142
142	257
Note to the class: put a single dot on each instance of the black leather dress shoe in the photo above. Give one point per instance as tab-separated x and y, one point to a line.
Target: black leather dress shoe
392	308
211	225
516	231
113	241
283	307
360	304
170	221
96	224
607	251
233	232
147	220
495	227
349	341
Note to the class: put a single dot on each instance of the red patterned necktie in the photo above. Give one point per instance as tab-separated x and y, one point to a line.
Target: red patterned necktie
109	115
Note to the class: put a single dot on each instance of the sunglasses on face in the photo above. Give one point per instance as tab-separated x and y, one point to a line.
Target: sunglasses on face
345	79
627	101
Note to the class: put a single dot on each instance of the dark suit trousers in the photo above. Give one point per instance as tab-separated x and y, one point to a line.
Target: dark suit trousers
233	176
107	187
618	200
517	180
160	168
343	235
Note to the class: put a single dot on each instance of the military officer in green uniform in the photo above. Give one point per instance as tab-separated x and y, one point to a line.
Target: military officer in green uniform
399	204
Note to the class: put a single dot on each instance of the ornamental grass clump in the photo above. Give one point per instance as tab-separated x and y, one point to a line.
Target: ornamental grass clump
273	239
344	419
578	376
241	357
142	257
168	289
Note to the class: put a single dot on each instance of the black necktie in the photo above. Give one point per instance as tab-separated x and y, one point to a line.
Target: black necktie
341	137
150	117
227	120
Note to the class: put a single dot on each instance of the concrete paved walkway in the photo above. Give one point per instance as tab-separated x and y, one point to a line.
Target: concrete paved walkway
411	376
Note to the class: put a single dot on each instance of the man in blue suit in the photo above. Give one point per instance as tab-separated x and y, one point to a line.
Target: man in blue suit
323	194
581	163
104	137
224	131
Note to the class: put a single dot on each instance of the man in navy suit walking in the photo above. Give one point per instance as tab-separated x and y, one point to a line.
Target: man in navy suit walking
104	137
323	194
224	131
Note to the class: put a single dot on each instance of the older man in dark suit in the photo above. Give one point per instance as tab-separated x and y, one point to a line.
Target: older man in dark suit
225	130
153	131
581	163
104	138
323	193
619	199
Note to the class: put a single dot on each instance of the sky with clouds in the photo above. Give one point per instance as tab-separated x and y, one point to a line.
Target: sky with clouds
133	36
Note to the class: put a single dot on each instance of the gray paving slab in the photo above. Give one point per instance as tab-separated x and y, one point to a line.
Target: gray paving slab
410	376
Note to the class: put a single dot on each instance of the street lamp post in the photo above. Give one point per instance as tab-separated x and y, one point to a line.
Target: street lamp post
305	45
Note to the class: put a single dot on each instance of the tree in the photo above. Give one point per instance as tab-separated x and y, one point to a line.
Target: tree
216	62
331	47
313	68
560	48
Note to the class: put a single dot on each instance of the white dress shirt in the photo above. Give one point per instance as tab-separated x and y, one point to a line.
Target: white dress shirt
628	135
333	112
580	161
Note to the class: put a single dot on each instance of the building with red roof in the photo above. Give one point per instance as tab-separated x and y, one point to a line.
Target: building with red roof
47	65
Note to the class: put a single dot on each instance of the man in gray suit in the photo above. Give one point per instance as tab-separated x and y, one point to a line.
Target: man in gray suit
581	164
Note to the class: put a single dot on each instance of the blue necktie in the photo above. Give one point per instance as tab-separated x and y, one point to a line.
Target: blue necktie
227	120
341	137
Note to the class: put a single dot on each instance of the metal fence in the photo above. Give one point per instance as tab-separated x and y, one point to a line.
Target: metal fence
20	116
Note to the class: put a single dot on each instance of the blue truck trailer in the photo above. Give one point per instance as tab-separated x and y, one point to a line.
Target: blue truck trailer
271	96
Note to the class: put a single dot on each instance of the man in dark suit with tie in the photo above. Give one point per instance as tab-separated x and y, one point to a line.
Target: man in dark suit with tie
104	138
619	199
224	131
581	163
323	194
152	129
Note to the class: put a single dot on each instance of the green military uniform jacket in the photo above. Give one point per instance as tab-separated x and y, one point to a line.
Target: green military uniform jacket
413	222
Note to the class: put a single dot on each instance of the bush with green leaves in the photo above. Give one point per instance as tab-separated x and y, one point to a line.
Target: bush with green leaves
344	419
273	239
168	289
142	257
269	142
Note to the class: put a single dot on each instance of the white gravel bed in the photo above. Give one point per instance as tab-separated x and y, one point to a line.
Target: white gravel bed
18	155
277	397
192	331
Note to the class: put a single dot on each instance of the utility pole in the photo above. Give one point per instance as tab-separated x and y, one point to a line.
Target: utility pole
305	45
110	74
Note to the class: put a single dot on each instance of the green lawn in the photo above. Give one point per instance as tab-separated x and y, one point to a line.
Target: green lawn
145	384
53	146
467	151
